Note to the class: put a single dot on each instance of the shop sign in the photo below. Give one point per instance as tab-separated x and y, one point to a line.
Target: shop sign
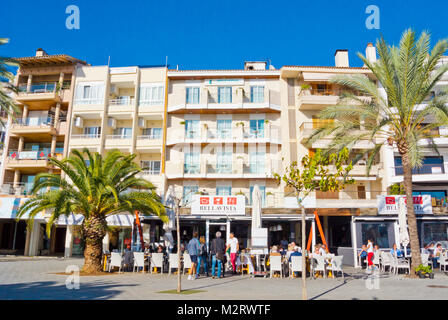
390	204
218	205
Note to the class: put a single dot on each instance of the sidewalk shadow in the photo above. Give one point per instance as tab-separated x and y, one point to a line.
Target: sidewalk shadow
52	290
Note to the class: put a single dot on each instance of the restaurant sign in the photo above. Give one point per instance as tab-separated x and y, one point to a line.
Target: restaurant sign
391	205
218	205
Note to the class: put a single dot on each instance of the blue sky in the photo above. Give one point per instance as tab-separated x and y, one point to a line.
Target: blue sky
221	34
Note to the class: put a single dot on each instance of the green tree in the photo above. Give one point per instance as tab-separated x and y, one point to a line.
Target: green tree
96	188
324	172
7	104
398	113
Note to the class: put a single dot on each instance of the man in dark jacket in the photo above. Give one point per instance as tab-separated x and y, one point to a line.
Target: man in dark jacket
217	251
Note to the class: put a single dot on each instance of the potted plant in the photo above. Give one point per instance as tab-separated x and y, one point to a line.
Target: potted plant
240	124
182	122
305	88
424	272
240	193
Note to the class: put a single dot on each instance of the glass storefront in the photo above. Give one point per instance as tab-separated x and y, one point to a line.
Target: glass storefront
434	232
382	233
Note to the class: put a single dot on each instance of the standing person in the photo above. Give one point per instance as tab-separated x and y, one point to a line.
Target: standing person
234	247
370	254
202	257
217	251
193	249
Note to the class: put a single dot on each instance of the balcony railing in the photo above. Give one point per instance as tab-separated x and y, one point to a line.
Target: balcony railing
44	121
42	154
219	167
42	87
192	168
122	101
86	136
150	172
149	137
118	136
255	167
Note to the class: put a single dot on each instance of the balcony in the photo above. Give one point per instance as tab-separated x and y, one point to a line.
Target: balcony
89	108
211	169
122	106
316	99
149	143
210	102
91	141
211	134
25	126
151	109
38	92
30	158
122	142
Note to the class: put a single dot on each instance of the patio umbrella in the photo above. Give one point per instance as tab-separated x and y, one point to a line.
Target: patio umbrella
402	223
256	208
170	226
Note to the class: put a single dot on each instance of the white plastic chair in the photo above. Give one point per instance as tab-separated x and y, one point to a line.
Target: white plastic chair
295	265
115	261
139	261
443	261
318	265
275	264
386	261
336	265
400	264
173	262
156	261
187	262
376	259
425	259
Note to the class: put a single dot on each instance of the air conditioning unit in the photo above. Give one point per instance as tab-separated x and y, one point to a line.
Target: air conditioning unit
113	89
141	123
78	122
362	162
111	122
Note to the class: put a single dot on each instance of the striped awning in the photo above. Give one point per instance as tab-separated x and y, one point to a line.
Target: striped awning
118	220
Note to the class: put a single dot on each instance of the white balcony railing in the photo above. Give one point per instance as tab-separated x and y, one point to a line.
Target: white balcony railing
86	136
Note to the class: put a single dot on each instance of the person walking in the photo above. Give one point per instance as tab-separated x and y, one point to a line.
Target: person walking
370	254
202	257
193	249
234	247
217	251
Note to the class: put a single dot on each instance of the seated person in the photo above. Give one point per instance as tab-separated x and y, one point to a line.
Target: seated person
295	253
437	254
323	250
274	251
282	250
317	251
396	252
363	256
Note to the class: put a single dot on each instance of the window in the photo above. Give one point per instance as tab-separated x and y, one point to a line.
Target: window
263	195
257	94
224	129
438	197
92	132
431	165
192	95
153	133
188	193
257	128
191	164
150	167
257	161
225	95
192	129
89	93
123	133
151	95
223	190
382	234
224	162
435	231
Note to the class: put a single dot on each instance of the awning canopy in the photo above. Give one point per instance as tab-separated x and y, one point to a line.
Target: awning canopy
9	207
118	220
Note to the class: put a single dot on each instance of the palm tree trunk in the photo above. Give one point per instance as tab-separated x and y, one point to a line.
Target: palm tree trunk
412	221
94	231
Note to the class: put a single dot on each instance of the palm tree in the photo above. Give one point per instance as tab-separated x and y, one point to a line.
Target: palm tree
399	115
96	188
6	87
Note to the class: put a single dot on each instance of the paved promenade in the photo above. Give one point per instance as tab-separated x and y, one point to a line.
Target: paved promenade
25	278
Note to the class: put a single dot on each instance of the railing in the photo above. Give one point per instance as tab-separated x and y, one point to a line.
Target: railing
122	101
255	167
149	137
219	167
150	172
88	101
42	87
86	136
190	168
41	154
44	121
424	169
118	136
20	188
150	102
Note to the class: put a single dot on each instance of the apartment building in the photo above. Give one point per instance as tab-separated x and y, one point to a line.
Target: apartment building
40	130
120	108
226	131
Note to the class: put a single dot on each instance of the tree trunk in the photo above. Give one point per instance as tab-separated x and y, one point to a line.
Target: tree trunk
304	293
94	230
412	221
